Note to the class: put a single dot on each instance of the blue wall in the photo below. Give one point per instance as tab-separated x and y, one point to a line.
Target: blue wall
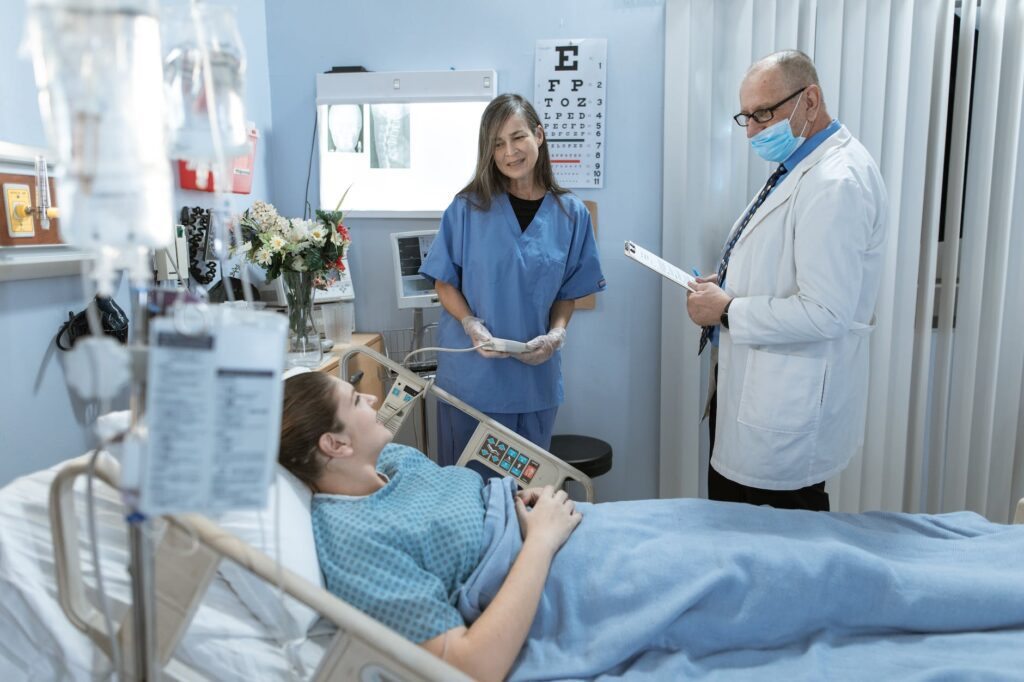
611	358
612	380
41	423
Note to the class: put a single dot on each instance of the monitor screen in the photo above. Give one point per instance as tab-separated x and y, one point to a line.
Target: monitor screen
409	249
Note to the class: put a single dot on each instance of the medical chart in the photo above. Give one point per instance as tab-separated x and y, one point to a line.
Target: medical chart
569	95
659	265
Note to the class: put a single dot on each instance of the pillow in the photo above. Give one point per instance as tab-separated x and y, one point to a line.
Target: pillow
285	616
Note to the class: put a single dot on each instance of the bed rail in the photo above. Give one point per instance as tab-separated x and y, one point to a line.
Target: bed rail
189	551
564	471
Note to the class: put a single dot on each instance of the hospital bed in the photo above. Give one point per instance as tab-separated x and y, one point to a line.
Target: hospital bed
204	631
204	628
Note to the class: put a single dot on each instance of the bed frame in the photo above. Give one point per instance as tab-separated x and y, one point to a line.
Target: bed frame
556	471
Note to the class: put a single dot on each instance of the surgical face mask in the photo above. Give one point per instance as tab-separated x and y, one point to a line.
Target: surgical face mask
776	142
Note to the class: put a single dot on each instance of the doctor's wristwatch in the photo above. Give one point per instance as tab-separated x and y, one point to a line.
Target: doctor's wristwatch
724	318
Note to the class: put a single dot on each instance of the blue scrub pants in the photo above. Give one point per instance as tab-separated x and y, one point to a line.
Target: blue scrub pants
455	427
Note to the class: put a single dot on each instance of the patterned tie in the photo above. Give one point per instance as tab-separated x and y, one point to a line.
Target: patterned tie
723	265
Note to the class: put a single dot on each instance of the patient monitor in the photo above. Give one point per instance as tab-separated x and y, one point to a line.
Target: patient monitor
409	249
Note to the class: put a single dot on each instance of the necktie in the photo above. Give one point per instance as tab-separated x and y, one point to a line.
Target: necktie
723	265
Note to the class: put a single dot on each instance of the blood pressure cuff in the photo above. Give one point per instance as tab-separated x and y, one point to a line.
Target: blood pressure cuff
112	319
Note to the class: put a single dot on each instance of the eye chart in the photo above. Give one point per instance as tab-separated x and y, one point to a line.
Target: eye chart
569	95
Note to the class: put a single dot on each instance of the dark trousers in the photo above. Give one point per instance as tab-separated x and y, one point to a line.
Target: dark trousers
720	488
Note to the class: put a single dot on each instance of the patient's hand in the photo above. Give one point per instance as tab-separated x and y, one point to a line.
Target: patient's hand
550	519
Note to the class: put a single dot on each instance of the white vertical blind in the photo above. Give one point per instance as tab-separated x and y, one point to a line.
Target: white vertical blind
985	368
944	421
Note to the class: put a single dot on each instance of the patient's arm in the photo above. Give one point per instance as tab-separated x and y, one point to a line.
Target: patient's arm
487	649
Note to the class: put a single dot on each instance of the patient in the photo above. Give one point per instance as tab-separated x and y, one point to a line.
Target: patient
531	585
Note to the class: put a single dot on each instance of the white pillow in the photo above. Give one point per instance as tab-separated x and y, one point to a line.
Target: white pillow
286	617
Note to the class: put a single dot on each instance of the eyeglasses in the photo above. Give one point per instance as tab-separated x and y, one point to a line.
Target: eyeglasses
763	115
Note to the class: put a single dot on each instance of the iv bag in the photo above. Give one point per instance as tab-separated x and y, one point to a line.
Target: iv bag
98	73
190	105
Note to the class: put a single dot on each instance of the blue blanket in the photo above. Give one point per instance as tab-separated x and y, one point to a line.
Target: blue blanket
683	589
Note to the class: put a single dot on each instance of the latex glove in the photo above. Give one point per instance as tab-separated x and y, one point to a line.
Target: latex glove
542	347
478	334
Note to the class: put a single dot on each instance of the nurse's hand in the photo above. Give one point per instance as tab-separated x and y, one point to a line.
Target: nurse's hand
542	347
478	334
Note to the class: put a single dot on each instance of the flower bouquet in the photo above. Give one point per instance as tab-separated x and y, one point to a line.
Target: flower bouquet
306	254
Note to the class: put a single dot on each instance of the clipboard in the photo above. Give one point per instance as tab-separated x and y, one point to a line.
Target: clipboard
659	265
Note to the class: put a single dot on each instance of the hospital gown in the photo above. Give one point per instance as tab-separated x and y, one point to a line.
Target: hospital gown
401	553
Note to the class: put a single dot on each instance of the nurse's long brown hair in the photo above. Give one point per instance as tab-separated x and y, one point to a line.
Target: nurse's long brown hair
487	180
310	410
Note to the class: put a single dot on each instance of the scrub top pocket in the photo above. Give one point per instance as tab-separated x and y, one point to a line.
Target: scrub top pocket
782	392
545	277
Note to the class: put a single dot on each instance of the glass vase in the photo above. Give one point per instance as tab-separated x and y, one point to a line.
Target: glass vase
303	338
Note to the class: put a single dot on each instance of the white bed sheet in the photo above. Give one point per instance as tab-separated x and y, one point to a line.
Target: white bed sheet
225	641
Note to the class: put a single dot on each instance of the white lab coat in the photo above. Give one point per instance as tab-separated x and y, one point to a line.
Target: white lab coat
793	365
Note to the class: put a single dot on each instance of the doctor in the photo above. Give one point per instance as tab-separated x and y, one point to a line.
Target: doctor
514	251
791	306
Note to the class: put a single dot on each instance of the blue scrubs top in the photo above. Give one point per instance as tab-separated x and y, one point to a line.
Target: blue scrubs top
510	278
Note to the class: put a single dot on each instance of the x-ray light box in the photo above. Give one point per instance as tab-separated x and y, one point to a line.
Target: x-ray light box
404	142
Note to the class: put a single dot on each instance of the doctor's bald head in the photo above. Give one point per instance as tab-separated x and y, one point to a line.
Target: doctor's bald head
782	85
793	68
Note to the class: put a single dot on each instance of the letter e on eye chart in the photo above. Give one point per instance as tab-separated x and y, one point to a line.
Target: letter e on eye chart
569	95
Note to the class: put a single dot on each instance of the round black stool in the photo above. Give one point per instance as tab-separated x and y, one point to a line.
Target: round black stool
592	456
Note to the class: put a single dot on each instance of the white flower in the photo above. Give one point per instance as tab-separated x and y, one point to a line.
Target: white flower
277	243
280	224
262	256
300	230
317	235
264	214
298	265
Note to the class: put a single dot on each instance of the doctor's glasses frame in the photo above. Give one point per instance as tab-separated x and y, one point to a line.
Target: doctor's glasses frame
763	115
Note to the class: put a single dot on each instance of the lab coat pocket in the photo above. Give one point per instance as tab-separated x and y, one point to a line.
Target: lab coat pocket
782	393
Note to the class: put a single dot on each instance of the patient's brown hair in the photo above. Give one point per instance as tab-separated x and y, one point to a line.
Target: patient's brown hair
310	410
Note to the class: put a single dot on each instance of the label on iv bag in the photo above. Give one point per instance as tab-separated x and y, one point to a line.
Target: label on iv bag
213	412
659	265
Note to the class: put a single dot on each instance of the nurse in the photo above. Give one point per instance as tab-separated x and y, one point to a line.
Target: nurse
513	253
